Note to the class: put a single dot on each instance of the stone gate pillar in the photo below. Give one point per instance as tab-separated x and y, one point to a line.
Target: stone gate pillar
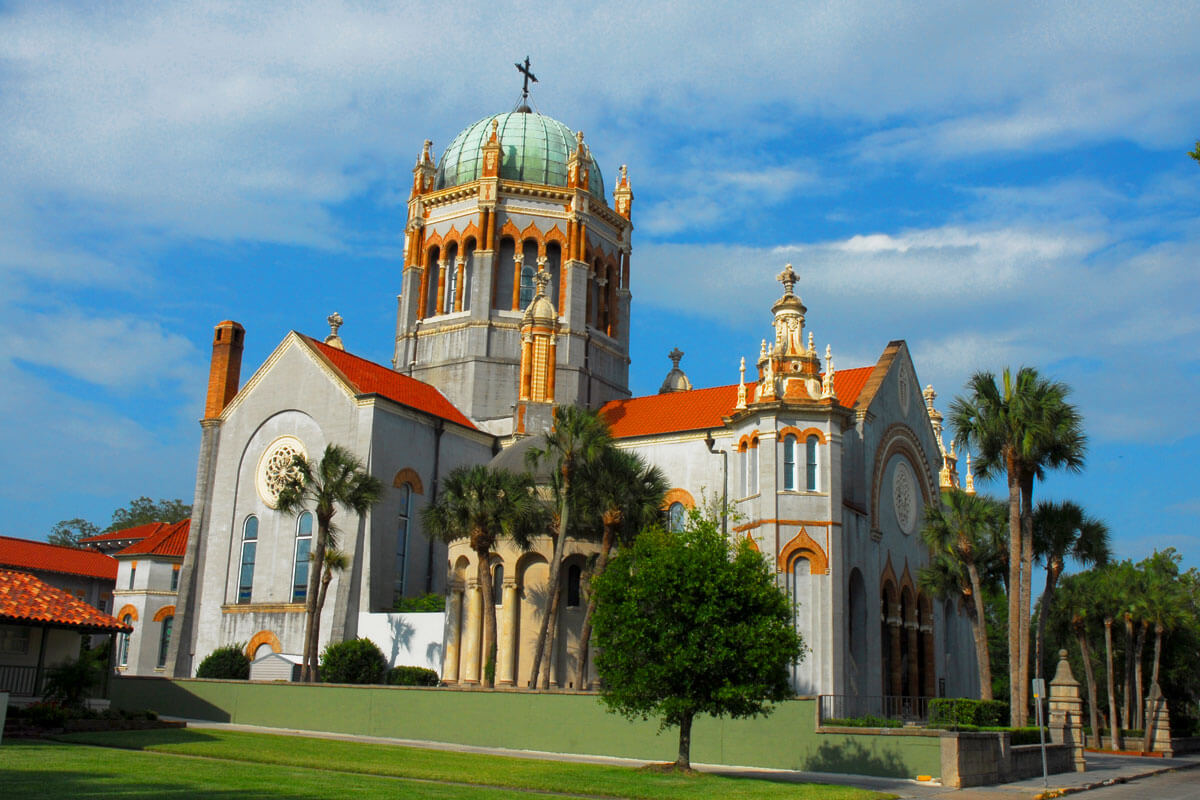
1066	711
1158	724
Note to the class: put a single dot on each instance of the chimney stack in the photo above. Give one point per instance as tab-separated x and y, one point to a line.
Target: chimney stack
226	369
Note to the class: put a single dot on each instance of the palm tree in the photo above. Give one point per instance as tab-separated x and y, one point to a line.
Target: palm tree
1061	531
339	479
482	505
625	495
1018	429
579	437
963	535
1106	593
1078	602
1166	601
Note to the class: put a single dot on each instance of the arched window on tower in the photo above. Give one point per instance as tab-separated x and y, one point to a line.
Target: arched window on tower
810	463
752	487
249	548
123	644
743	483
526	285
304	528
789	463
164	640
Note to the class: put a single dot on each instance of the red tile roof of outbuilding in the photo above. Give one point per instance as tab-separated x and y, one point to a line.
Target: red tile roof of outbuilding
171	541
137	532
698	409
367	377
25	554
24	598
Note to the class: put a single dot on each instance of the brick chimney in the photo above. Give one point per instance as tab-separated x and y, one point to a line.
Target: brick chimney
226	369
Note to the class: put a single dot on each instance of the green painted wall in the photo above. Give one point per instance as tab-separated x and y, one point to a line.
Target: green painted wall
553	722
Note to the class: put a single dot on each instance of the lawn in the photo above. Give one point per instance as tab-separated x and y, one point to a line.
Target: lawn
178	763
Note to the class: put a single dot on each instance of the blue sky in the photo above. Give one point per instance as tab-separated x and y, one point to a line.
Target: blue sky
997	184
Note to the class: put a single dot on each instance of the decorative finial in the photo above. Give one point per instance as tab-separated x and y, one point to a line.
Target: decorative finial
788	278
811	347
930	395
579	139
624	174
495	126
426	152
970	475
335	321
827	387
741	395
762	350
542	278
675	355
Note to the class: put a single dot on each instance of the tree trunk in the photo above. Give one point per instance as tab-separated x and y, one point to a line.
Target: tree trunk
551	639
1016	708
1139	696
979	629
545	632
684	760
1113	721
585	634
1158	633
1127	703
1026	589
312	628
1053	568
488	645
1093	710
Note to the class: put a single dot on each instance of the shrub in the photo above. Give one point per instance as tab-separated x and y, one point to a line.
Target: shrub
353	661
71	682
957	712
412	676
424	603
864	722
46	715
229	663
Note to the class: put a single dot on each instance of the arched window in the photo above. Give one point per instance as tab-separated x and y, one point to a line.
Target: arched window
498	585
304	529
174	579
574	578
123	644
249	547
401	563
743	473
752	487
789	463
676	514
810	463
164	640
526	285
451	285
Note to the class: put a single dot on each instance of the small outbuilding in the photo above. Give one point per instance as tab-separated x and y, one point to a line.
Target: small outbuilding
276	667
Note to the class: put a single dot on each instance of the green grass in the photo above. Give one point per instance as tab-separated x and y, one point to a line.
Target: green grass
178	762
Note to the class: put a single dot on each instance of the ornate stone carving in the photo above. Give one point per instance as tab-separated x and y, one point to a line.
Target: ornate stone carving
904	497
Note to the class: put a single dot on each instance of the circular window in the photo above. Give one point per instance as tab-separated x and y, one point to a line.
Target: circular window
904	496
276	466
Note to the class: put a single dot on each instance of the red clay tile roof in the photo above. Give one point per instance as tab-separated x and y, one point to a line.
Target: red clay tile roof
23	598
367	377
170	541
41	556
138	532
701	408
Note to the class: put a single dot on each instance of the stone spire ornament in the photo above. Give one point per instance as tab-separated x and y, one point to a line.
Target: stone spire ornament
333	340
676	380
970	475
741	395
788	278
828	392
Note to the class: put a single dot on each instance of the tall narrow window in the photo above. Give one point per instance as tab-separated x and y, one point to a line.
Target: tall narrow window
526	286
174	577
249	547
132	573
789	463
574	578
676	514
743	473
810	463
753	487
304	528
164	640
402	526
451	285
498	585
123	644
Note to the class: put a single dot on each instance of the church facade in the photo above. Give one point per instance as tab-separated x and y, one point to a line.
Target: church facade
514	299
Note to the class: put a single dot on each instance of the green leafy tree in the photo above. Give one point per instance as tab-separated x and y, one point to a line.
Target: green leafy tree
579	437
624	495
143	511
72	682
69	532
338	480
1019	428
483	505
1196	153
1078	608
687	624
965	537
1063	531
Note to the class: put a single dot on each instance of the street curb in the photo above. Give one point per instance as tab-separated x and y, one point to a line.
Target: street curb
1052	793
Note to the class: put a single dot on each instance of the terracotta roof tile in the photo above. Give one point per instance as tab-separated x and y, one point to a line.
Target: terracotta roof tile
699	409
367	377
138	532
171	541
24	598
42	556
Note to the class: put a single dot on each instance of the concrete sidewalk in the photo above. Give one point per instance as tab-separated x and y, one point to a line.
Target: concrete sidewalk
1103	770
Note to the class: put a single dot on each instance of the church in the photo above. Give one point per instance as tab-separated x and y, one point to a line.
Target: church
514	298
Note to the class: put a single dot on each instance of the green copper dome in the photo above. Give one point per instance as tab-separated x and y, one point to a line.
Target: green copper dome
535	149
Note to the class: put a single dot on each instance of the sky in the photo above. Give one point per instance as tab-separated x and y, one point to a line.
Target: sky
998	184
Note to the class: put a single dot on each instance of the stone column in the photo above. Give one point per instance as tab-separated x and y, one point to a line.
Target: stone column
1066	711
441	287
471	634
518	262
453	634
928	661
895	682
913	688
1158	724
460	267
551	368
506	648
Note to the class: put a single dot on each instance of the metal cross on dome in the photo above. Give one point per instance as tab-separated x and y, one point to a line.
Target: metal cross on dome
529	76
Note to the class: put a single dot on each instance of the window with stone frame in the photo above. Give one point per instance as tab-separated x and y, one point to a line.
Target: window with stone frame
300	574
249	550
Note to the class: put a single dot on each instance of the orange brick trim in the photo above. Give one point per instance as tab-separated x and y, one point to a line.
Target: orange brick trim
470	235
127	609
261	638
803	546
509	231
753	544
801	435
679	496
409	475
163	613
556	235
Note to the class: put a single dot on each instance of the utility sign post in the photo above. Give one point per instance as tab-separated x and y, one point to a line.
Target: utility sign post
1039	691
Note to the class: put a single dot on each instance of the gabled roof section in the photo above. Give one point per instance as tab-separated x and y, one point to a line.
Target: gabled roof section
125	534
700	409
170	542
27	600
367	377
878	373
24	554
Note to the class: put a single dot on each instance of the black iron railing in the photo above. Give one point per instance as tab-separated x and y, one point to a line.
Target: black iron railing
889	707
18	681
